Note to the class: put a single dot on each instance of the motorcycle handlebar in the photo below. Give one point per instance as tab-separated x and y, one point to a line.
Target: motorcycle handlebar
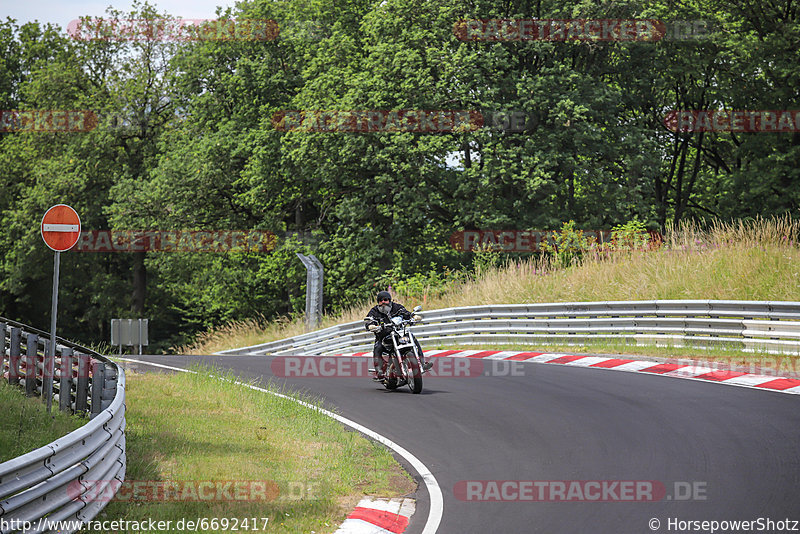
385	324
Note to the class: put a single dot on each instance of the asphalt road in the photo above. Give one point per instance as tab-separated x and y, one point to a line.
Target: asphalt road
721	453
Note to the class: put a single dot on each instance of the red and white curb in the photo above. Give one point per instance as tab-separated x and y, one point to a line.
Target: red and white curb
378	516
706	371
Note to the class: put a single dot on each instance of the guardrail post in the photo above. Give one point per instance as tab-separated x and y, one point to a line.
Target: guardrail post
2	348
98	381
65	383
109	386
13	355
82	391
31	348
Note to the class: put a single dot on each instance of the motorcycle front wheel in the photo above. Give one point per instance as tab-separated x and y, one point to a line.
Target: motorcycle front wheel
412	371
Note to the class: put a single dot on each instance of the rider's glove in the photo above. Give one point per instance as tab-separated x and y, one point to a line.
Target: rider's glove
373	328
416	318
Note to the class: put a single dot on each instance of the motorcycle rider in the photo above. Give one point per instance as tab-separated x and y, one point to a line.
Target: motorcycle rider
382	313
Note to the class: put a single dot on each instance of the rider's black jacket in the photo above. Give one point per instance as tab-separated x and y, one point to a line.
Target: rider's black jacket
378	317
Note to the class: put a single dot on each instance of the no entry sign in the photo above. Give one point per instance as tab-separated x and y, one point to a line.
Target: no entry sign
61	227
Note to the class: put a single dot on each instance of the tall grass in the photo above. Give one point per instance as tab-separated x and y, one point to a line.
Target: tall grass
25	424
755	259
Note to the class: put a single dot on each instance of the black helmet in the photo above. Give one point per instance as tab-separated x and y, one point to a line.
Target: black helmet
384	295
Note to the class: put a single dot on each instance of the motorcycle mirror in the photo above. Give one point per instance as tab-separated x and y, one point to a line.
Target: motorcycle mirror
417	308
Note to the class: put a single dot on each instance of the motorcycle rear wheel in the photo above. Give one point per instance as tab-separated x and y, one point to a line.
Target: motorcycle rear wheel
390	383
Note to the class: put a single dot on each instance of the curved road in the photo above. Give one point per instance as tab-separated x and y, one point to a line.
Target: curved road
738	448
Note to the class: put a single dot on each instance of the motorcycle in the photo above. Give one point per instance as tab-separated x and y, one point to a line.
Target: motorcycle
401	361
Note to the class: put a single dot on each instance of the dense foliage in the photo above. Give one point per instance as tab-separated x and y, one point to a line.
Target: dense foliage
193	146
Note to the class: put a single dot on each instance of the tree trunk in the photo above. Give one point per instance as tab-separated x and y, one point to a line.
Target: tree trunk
299	218
139	284
679	208
679	184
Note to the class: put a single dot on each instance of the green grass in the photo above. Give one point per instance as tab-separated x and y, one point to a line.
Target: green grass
195	427
25	424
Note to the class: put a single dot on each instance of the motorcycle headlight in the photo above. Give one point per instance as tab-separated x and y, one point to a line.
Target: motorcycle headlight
404	340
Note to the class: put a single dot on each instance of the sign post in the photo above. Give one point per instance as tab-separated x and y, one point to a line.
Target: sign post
129	332
61	228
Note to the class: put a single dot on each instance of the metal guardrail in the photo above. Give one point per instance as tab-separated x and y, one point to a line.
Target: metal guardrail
769	326
61	481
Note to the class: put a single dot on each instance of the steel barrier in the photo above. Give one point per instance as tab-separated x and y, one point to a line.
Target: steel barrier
768	326
60	482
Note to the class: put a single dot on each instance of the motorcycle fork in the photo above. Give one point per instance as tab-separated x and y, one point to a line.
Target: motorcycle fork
395	365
